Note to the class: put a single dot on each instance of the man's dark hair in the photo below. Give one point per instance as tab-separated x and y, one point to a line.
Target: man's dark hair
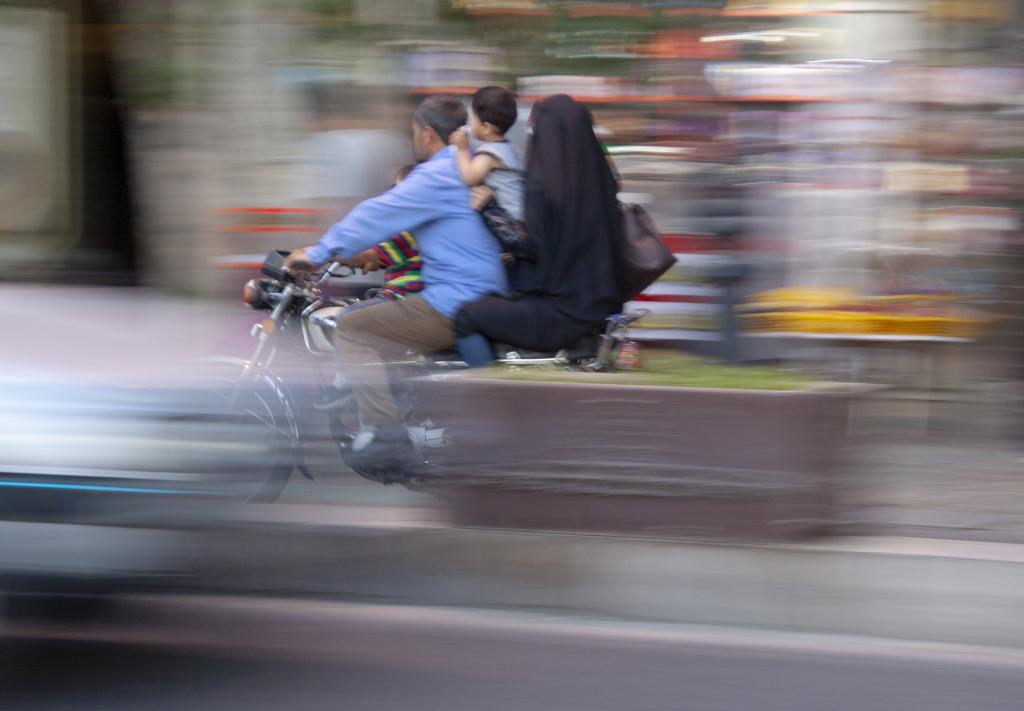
444	114
497	106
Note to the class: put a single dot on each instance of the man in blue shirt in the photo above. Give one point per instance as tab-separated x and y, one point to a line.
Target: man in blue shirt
461	263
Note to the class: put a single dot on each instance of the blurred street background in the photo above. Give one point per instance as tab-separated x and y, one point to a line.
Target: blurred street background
840	182
841	177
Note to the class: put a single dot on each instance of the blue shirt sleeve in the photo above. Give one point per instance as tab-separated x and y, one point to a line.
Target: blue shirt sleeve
407	206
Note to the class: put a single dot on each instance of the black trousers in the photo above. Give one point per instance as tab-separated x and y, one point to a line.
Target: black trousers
532	322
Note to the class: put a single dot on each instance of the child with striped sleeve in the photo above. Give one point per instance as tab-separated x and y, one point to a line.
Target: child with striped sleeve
400	259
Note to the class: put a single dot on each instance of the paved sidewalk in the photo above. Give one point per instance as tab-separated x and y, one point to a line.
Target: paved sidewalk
961	592
110	336
343	537
932	487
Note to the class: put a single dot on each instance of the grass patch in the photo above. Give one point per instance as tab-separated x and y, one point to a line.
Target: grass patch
668	368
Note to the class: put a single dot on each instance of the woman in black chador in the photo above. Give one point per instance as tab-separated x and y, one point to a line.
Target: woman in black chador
573	220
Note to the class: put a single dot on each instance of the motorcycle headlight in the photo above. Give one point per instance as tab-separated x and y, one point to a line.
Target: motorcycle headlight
254	294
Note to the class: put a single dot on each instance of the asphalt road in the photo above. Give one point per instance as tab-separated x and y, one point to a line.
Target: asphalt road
234	653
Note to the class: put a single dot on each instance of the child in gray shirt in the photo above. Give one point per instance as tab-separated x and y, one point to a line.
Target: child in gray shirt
496	164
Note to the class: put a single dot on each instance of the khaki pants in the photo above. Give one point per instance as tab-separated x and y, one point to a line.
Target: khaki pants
368	338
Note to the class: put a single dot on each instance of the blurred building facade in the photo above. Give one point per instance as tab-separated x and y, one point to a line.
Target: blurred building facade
66	207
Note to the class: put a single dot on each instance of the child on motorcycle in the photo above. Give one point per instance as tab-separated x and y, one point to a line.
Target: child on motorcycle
496	164
400	259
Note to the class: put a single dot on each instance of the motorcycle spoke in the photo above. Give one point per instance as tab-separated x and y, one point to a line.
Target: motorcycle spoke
269	424
251	405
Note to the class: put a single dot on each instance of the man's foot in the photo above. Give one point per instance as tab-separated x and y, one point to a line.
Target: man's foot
363	438
385	454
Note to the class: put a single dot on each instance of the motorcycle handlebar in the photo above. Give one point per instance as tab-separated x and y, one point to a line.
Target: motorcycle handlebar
335	269
318	276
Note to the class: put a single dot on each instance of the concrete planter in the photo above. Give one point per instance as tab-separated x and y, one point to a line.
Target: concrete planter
730	464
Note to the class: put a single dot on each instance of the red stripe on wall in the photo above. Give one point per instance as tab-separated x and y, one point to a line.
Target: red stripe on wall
678	298
688	244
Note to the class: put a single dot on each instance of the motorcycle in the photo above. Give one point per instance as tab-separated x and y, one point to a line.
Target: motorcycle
301	320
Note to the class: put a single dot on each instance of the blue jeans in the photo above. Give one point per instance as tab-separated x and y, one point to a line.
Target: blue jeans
476	350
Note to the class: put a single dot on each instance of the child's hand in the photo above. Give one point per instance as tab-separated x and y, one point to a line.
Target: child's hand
371	265
480	196
459	139
366	261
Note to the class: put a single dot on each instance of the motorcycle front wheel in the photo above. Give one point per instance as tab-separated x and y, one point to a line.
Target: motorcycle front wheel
244	436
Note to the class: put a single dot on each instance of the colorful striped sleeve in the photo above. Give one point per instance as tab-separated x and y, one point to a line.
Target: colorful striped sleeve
398	250
407	243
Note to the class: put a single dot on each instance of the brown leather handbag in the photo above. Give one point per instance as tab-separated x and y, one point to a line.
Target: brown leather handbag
643	254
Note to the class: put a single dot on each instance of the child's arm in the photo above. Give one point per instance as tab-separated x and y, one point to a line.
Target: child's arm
397	251
473	169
